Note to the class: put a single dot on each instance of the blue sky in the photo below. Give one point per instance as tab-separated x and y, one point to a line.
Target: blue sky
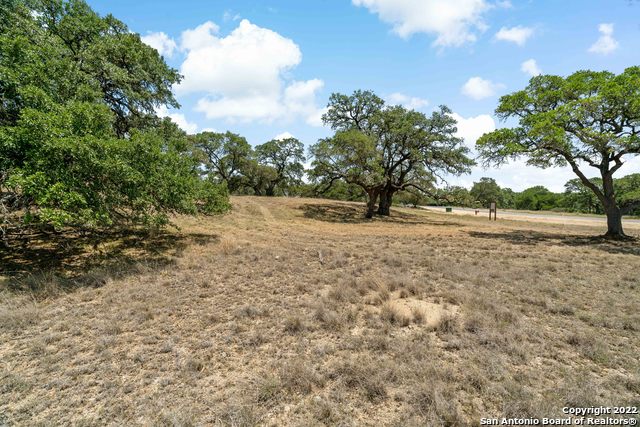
267	68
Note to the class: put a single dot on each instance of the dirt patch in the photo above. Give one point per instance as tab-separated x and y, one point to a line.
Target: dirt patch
426	313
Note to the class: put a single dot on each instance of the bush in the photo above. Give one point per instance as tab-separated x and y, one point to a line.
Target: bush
89	178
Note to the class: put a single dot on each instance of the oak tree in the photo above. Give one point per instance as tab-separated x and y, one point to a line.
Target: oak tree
225	156
387	149
587	120
285	157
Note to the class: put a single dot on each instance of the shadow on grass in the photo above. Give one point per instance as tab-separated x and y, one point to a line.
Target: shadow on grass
74	259
530	237
355	214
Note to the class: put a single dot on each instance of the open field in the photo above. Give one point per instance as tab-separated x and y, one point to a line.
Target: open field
300	312
541	216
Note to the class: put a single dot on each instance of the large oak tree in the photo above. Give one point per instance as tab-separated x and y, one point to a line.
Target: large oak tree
586	120
386	149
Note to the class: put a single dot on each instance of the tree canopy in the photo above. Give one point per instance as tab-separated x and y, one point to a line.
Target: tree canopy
486	191
285	157
273	168
537	198
225	156
588	119
386	149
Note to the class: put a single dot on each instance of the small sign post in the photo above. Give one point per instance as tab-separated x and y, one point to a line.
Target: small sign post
493	209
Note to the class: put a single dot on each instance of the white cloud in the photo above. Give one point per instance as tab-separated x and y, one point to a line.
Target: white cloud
606	44
478	88
243	76
472	128
518	35
283	135
300	99
315	119
519	176
453	22
248	62
240	108
199	37
530	66
631	165
161	42
179	119
409	102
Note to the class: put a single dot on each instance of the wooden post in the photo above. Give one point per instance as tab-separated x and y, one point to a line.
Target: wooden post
493	209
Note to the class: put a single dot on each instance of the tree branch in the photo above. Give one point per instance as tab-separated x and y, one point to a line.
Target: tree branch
585	180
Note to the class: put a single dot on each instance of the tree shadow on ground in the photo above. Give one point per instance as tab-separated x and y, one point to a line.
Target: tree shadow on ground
531	237
78	259
354	214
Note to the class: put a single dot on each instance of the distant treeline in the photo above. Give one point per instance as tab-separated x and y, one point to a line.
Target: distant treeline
276	169
575	198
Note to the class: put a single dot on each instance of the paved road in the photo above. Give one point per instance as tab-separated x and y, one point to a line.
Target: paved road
528	215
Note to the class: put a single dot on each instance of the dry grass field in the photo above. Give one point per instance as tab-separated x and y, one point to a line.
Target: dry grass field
301	312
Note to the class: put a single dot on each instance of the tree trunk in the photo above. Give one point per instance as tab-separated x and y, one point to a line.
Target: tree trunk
611	208
386	198
371	203
257	190
614	222
383	200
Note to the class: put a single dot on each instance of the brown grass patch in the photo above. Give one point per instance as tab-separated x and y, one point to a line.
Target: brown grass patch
302	312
